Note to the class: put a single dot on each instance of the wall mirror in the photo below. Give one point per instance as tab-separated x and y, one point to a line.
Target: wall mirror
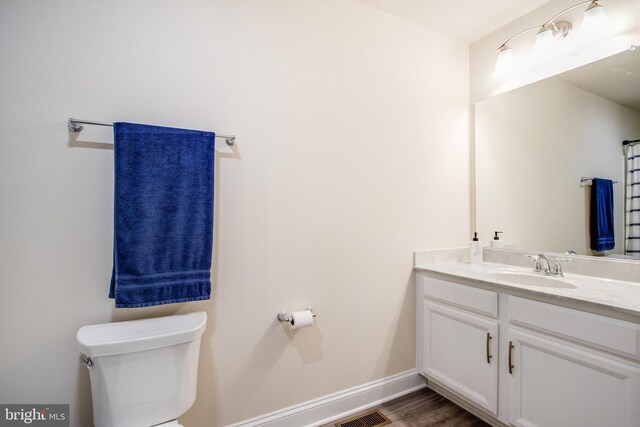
536	143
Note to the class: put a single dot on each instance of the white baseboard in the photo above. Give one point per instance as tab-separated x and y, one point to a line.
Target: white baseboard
341	404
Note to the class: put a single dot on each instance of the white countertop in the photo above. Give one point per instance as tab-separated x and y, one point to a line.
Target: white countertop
617	295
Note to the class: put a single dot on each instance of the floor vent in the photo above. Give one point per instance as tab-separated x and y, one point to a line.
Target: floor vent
368	419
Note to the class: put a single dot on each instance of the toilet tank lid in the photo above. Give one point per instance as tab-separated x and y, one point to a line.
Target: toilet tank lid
108	339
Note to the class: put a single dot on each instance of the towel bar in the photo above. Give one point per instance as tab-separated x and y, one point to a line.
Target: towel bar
586	178
75	125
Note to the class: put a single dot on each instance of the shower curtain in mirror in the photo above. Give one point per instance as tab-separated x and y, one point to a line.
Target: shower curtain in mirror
633	201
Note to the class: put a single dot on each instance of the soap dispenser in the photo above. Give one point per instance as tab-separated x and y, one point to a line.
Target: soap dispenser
475	250
496	242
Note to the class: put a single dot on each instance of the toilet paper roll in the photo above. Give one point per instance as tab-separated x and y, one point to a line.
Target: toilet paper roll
301	319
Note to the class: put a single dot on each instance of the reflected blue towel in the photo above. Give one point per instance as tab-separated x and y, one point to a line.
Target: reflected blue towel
163	215
602	234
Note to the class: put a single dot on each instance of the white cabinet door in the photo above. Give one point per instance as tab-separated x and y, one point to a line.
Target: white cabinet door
460	351
556	385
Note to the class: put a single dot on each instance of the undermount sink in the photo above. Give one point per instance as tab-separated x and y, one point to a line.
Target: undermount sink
530	279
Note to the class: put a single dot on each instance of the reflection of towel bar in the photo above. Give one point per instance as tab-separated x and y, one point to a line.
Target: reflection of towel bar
585	179
74	126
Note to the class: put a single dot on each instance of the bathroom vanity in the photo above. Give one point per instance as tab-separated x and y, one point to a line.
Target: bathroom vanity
524	349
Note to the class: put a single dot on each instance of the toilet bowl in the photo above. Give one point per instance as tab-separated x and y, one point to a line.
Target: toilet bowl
143	372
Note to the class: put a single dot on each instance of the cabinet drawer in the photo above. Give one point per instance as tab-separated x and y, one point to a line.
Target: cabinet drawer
474	299
614	335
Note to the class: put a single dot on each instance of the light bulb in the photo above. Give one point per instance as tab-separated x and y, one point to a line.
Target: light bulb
506	64
595	23
545	42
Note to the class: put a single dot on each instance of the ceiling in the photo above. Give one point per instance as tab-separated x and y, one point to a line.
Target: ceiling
616	78
467	20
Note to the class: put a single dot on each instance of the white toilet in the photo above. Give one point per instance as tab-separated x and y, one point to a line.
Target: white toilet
143	372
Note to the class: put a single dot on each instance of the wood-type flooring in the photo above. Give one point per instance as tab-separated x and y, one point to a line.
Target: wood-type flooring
426	408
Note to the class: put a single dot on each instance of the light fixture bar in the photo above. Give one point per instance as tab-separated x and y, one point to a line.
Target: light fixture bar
537	27
559	30
568	9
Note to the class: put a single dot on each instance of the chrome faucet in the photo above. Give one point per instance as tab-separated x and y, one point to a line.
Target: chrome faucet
538	261
542	265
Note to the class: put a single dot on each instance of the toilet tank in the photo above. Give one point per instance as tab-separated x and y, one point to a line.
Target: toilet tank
143	372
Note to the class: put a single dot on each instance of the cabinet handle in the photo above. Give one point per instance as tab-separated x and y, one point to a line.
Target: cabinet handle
489	356
511	347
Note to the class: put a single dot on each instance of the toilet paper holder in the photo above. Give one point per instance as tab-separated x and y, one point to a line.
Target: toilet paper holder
286	317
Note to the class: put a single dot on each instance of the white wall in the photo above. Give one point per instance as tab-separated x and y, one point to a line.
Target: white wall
532	146
352	153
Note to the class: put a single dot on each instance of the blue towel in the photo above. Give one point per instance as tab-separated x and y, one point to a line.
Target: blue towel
163	215
602	235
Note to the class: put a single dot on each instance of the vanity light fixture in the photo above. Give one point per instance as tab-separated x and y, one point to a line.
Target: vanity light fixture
549	34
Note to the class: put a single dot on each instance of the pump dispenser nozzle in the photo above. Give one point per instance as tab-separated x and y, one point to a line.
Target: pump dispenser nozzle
496	242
